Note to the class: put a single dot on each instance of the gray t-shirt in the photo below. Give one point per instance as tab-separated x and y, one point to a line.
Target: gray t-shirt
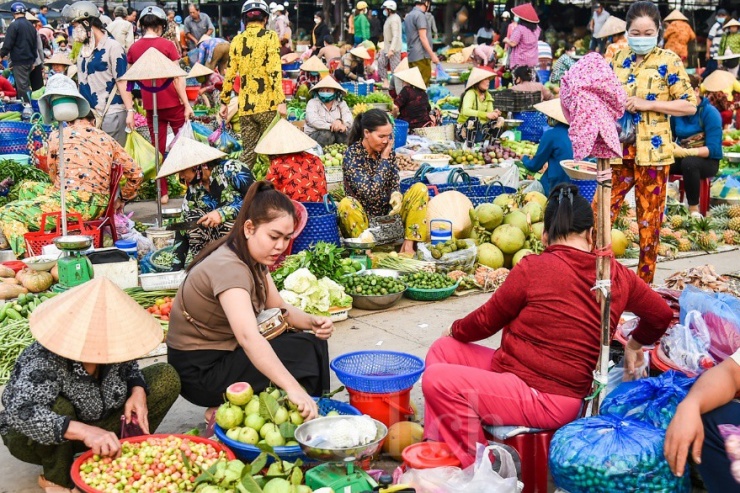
599	20
198	28
414	21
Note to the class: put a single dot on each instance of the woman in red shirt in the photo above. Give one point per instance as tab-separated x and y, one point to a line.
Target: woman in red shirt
173	107
6	88
550	343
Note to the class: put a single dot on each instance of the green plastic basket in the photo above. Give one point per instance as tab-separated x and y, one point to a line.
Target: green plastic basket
430	294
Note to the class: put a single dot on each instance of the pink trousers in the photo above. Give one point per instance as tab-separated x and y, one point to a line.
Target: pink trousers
462	394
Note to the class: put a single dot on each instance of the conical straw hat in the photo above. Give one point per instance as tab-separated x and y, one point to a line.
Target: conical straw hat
153	65
313	64
360	52
467	52
187	153
676	15
284	138
731	23
95	322
199	70
612	26
290	57
719	80
552	109
477	75
413	77
403	65
328	82
59	59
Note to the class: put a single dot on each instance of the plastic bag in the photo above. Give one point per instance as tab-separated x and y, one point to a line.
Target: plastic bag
142	152
616	374
478	478
650	400
626	128
509	177
731	434
442	76
721	313
186	131
535	186
223	141
463	260
610	454
200	132
687	344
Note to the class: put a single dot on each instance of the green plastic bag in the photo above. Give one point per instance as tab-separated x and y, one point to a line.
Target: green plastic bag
142	153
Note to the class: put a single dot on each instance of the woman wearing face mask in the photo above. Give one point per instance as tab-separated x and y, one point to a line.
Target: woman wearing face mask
215	189
328	118
524	37
320	31
214	339
371	182
657	87
362	23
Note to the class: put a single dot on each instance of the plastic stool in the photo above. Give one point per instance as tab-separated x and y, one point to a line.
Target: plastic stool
704	188
533	446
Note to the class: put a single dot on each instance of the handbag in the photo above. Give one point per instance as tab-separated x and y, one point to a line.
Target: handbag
99	117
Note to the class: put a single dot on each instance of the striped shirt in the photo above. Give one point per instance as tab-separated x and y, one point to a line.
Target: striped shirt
715	33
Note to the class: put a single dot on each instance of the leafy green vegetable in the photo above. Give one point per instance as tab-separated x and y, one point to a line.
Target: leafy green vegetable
303	290
378	97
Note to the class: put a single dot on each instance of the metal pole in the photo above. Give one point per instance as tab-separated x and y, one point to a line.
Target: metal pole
220	22
62	184
155	122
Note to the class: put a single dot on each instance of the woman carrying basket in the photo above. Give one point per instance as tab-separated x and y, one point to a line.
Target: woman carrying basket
371	182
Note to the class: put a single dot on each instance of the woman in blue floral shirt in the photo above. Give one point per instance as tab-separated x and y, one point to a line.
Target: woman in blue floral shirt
657	87
216	188
371	182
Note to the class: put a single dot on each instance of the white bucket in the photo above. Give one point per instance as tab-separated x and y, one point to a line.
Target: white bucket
161	237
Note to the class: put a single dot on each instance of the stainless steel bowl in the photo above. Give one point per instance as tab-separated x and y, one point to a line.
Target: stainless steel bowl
381	272
307	432
513	123
171	212
73	242
356	244
381	302
733	157
41	262
455	79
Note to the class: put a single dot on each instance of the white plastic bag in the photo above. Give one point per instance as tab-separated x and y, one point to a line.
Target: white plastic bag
616	373
185	131
687	344
478	478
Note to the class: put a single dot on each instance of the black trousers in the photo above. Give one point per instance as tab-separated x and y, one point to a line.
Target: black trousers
694	169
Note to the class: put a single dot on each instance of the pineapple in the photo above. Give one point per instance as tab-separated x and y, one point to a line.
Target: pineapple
734	211
703	236
676	221
719	211
719	223
666	232
684	245
666	250
729	237
634	228
631	237
734	223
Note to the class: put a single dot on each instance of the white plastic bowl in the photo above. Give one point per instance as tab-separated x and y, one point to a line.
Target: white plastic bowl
435	160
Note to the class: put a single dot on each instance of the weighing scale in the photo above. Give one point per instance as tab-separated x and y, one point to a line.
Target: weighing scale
340	472
74	267
356	247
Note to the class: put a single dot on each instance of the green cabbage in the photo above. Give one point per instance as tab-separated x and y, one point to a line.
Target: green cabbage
300	281
313	296
337	296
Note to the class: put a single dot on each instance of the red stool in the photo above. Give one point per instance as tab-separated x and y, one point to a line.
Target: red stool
704	187
533	447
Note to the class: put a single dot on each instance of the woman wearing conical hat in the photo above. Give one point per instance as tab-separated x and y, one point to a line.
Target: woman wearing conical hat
70	388
678	34
412	104
328	118
311	72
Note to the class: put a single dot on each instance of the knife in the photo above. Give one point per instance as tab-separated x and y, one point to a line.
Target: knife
183	226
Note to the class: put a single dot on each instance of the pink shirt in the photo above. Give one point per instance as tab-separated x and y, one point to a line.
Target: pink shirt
526	51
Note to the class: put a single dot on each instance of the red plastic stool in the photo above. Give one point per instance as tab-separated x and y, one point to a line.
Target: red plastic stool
534	451
704	188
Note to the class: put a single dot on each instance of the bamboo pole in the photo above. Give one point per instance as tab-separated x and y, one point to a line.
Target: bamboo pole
603	275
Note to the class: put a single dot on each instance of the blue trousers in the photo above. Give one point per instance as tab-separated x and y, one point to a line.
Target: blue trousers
715	465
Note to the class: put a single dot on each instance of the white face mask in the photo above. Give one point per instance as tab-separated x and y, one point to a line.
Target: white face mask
79	34
316	20
385	13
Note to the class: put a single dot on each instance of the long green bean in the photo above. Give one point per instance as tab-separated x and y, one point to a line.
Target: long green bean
147	298
15	336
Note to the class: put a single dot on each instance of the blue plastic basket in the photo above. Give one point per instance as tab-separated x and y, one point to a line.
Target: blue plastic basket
358	89
14	146
319	208
378	372
400	133
482	194
11	107
587	188
292	66
318	228
248	452
533	123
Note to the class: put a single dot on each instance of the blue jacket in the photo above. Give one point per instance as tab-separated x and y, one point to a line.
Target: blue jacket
21	42
706	119
555	146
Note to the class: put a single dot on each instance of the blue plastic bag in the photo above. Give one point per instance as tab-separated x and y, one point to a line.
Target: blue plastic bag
650	400
608	454
626	128
442	76
721	313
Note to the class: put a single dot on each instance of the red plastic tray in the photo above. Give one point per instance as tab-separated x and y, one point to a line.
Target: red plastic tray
16	265
75	472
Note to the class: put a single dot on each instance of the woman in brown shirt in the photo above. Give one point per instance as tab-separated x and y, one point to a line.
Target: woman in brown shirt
214	339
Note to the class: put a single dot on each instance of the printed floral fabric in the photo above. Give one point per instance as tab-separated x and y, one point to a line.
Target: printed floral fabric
229	183
592	101
97	74
300	176
370	180
730	41
255	59
89	154
677	36
560	67
205	49
659	77
414	108
613	48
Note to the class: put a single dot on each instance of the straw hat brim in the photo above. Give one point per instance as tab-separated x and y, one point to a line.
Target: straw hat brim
314	64
153	65
284	138
204	38
360	52
676	15
403	65
413	77
727	56
467	52
95	322
527	13
328	82
731	23
58	59
552	109
477	75
290	58
187	153
612	26
199	70
719	80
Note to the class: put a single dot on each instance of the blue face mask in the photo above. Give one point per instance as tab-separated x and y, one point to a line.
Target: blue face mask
325	97
642	45
315	74
516	19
